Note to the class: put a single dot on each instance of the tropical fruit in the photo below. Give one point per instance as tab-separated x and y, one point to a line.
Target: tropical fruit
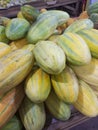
57	107
75	48
65	85
37	86
49	56
33	115
17	28
86	97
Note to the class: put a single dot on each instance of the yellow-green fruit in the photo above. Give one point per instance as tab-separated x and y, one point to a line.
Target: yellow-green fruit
87	102
42	29
37	86
3	37
53	38
32	114
75	48
65	85
78	25
91	38
19	15
4	21
57	107
29	47
4	49
18	44
50	57
15	66
88	73
29	12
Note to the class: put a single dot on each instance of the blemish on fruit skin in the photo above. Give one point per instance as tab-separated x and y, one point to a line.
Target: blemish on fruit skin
17	60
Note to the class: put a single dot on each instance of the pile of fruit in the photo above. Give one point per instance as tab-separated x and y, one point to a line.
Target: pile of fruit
9	3
46	61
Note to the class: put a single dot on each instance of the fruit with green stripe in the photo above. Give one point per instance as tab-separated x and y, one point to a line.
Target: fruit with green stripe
17	28
16	65
29	12
94	17
88	72
65	85
61	16
93	8
3	37
80	25
32	114
75	48
91	38
87	102
50	57
57	107
42	29
37	86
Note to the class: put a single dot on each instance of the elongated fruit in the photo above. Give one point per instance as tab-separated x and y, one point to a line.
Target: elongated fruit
65	85
9	104
88	73
17	28
4	49
75	48
50	57
79	25
37	86
42	29
57	107
61	16
15	66
91	38
87	102
29	12
32	115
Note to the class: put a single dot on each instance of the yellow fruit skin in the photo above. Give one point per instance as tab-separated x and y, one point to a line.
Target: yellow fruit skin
50	57
65	85
87	102
90	36
15	66
19	15
18	44
88	73
29	47
75	48
4	21
4	49
38	86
